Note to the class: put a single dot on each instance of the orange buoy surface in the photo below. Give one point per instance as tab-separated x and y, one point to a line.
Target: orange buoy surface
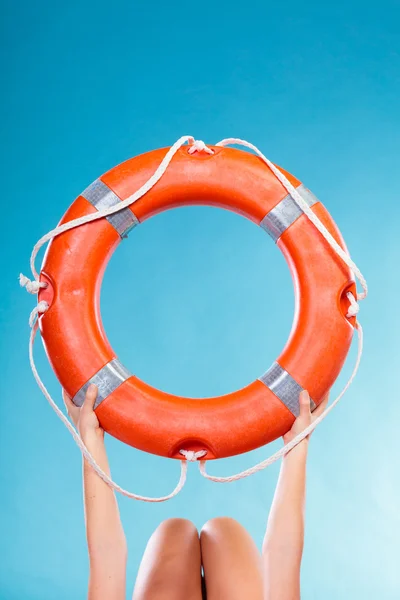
139	414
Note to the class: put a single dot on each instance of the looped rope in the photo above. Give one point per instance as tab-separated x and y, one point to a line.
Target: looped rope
306	432
89	458
306	209
34	287
352	311
106	212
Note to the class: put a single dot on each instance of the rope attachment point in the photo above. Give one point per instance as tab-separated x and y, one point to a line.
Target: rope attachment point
354	307
32	287
296	440
41	308
199	146
192	456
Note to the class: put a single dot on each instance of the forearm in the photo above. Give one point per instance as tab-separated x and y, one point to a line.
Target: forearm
284	538
105	535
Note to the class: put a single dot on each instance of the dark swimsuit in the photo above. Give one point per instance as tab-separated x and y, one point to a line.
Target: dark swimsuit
203	588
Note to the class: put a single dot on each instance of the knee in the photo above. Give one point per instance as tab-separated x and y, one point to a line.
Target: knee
226	536
177	526
220	526
167	561
177	532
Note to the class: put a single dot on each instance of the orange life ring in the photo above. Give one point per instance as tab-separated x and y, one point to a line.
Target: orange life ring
133	411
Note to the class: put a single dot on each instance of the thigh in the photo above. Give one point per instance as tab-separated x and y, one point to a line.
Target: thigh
231	561
171	565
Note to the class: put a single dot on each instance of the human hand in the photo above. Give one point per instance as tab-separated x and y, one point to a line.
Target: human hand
306	417
84	418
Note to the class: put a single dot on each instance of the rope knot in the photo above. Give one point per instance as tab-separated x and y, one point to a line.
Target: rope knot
354	307
192	456
199	146
32	287
38	310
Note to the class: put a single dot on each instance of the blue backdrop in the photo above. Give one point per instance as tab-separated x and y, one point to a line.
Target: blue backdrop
199	301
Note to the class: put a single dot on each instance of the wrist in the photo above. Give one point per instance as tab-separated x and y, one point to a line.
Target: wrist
92	437
300	450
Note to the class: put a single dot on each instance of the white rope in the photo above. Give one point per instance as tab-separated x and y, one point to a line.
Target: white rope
290	445
34	287
89	458
199	146
354	307
41	308
306	209
192	456
120	206
352	311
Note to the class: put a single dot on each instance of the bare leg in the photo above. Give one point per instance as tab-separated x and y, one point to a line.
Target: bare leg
231	561
171	565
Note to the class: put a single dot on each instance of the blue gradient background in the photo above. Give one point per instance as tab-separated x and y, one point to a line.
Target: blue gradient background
198	301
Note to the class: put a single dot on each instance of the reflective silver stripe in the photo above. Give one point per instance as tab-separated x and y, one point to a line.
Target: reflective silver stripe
108	379
100	196
285	213
284	387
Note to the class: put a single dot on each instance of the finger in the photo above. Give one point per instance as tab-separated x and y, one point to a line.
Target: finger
67	401
90	398
72	410
321	406
304	401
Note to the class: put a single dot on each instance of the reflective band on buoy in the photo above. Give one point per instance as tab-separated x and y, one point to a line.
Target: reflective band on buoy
285	213
285	387
100	196
107	380
137	413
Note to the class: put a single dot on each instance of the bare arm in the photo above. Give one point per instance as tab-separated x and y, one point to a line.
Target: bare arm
284	538
104	532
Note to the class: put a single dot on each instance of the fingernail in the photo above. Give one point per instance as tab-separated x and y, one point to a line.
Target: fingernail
92	388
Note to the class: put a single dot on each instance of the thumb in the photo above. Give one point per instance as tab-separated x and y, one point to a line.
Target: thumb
304	401
90	398
322	406
66	398
67	401
72	410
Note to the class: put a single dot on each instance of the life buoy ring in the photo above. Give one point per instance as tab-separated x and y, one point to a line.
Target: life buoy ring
137	413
